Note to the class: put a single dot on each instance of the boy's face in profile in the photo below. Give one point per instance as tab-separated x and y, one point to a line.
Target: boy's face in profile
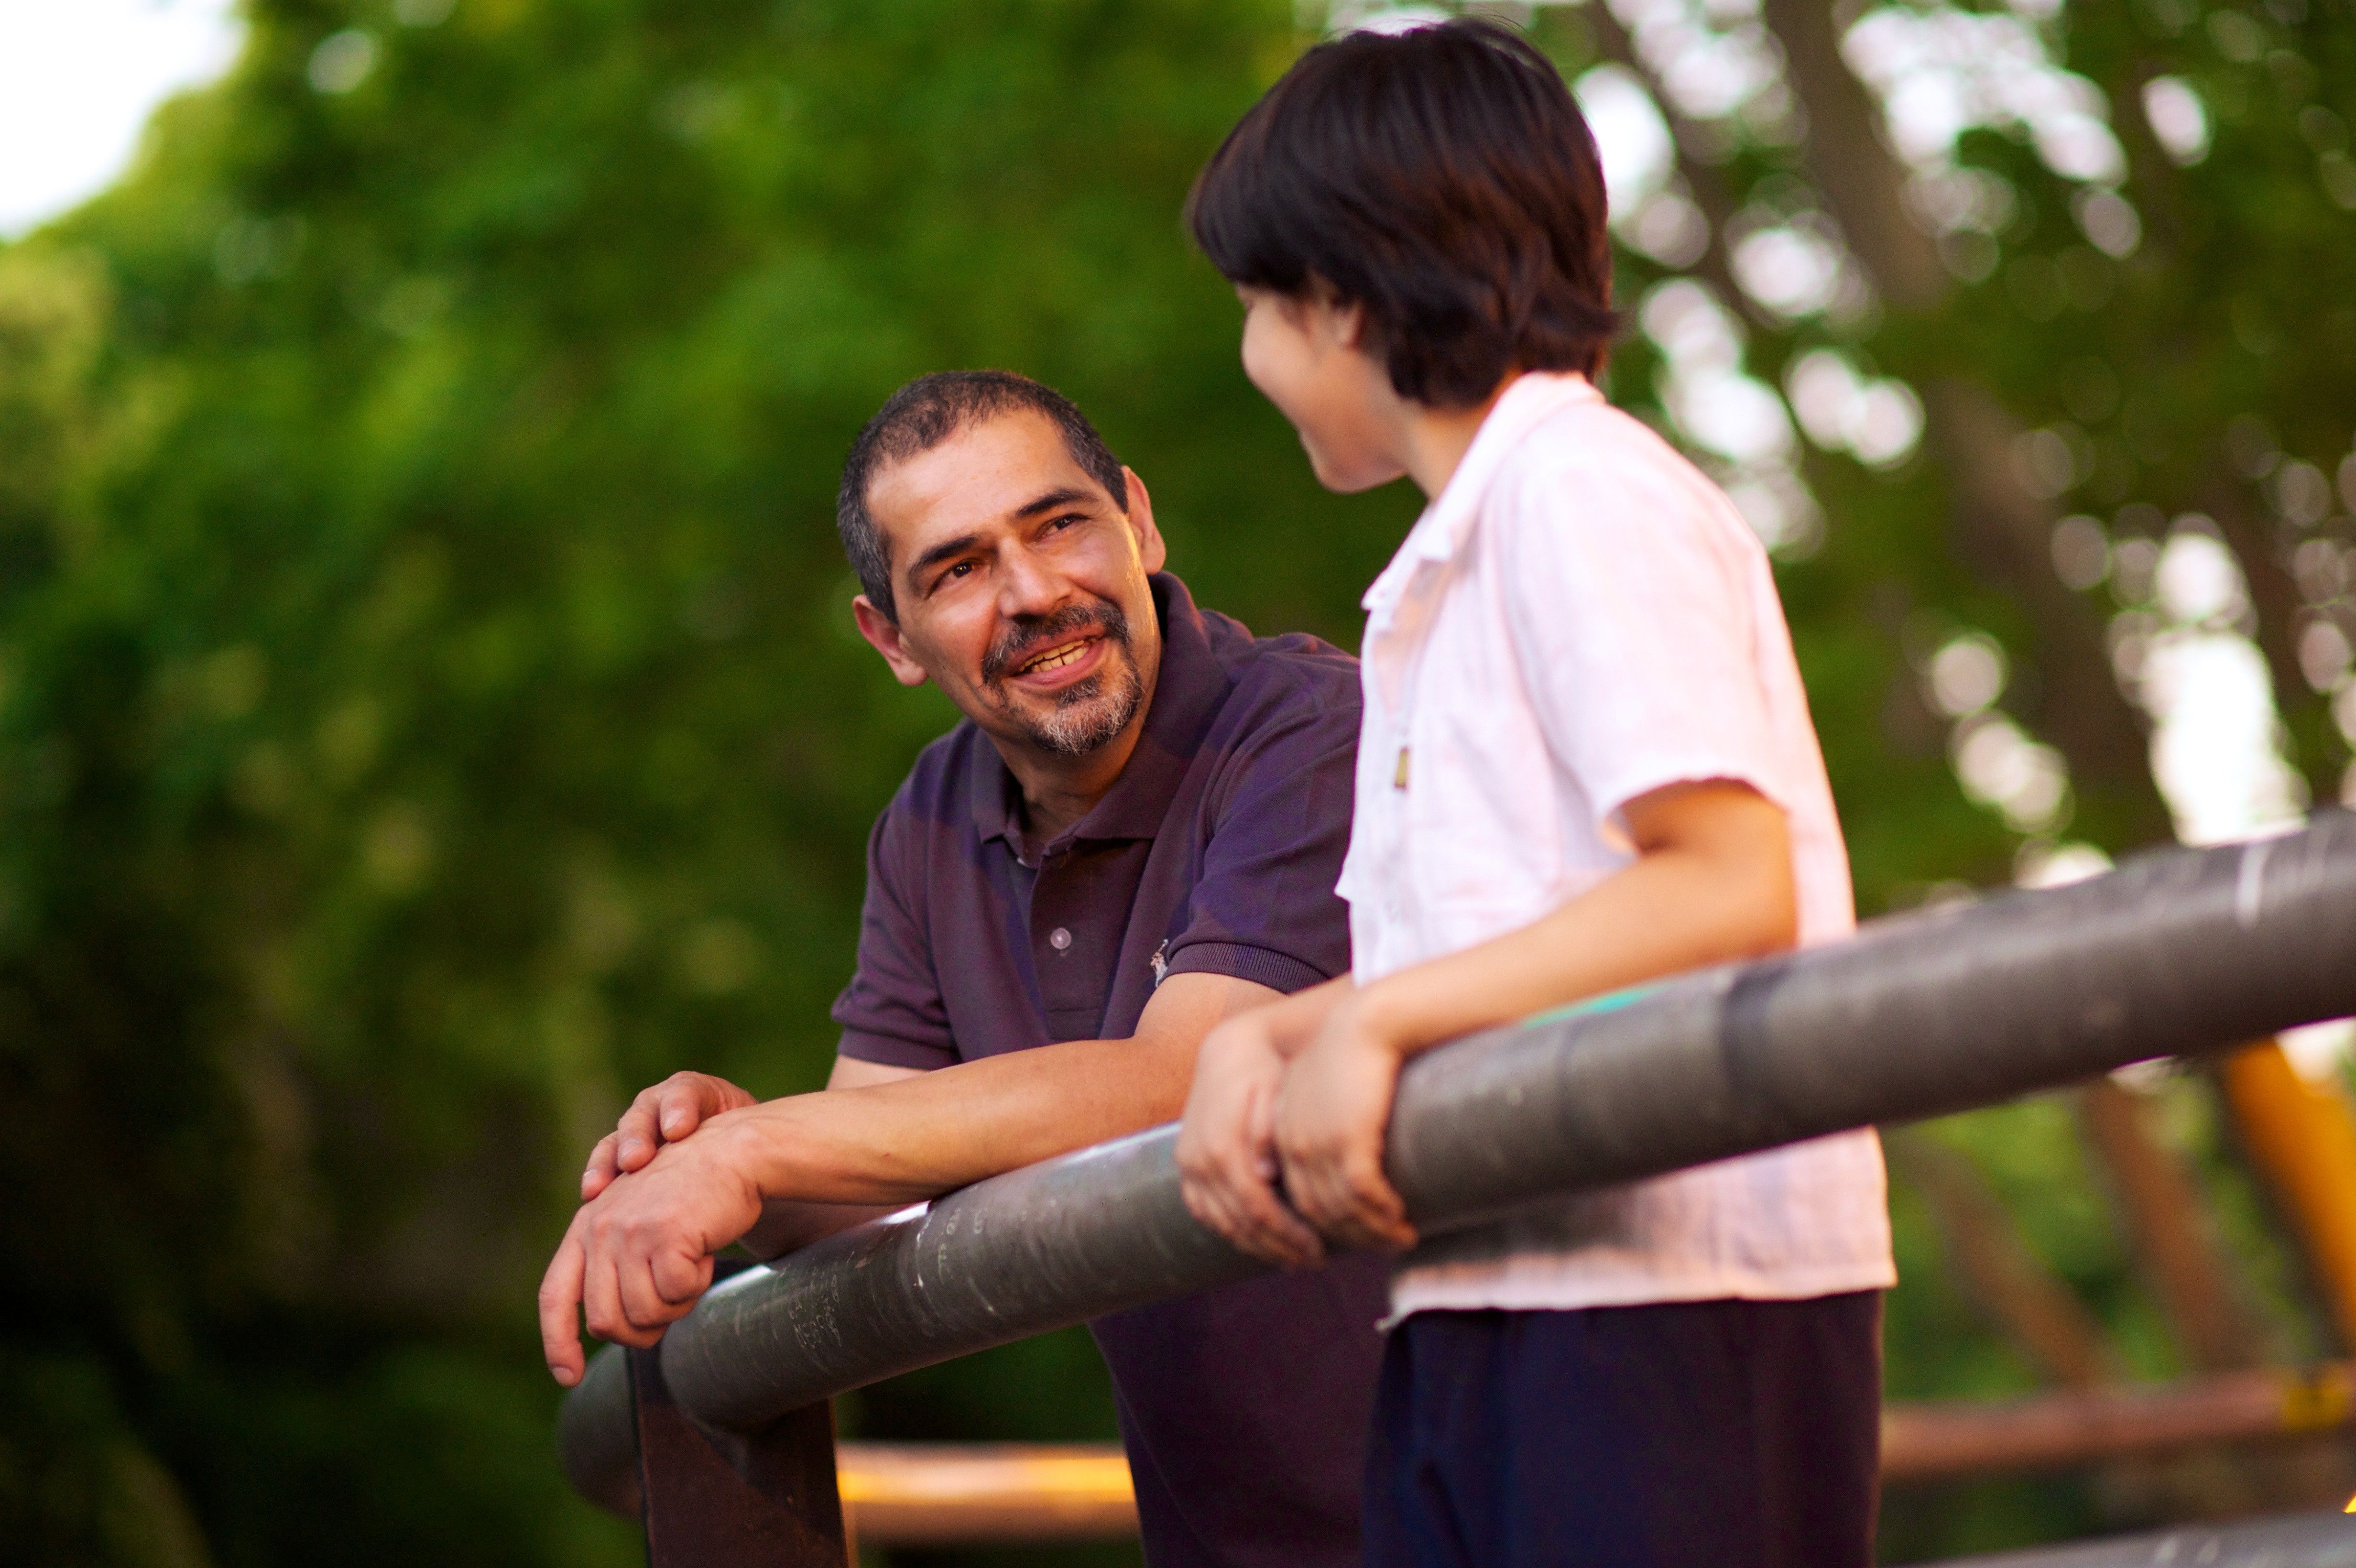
1305	356
1020	586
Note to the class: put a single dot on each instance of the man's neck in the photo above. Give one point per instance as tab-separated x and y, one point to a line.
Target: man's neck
1059	791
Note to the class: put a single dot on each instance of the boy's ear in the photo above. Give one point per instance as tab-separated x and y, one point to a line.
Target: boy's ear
1149	548
1320	311
883	634
1349	322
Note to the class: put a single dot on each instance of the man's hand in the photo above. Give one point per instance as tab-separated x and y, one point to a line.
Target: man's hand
665	1114
1331	1111
637	1256
1227	1148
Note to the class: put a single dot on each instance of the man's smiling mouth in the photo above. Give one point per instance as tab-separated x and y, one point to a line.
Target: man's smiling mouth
1055	657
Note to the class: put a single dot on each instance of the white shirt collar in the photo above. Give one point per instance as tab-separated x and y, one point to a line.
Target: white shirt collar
1445	522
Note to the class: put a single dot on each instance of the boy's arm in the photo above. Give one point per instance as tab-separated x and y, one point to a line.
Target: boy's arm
1226	1149
1712	884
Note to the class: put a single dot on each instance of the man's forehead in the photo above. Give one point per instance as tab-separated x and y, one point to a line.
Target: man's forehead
982	476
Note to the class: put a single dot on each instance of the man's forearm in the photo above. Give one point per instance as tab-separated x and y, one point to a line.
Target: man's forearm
906	1141
908	1138
786	1225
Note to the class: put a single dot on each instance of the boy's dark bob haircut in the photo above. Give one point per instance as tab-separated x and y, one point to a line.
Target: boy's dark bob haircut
1442	179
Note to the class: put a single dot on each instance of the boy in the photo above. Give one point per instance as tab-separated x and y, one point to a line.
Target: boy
1586	763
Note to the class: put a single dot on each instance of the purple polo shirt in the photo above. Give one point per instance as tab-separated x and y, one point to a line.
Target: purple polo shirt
1244	1409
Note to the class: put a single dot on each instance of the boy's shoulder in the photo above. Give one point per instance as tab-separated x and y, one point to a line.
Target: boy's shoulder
1593	440
1588	466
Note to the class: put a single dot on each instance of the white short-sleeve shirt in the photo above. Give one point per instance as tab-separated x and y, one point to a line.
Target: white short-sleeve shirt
1580	618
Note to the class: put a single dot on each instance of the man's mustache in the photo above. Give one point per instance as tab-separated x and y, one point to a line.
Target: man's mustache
1028	635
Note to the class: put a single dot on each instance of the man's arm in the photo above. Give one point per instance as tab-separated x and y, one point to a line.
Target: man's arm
787	1223
674	1108
638	1254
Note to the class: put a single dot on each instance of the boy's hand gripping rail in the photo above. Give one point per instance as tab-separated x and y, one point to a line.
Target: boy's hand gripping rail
2178	953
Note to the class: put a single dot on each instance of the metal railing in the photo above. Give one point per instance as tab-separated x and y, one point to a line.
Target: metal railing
2178	953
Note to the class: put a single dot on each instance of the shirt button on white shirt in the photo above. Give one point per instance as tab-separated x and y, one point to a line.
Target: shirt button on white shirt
1059	939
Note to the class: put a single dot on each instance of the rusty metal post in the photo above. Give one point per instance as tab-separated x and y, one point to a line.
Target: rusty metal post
758	1500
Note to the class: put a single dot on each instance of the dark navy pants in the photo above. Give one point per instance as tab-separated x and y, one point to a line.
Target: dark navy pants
1687	1435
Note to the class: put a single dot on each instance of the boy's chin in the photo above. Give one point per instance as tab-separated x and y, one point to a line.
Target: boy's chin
1346	478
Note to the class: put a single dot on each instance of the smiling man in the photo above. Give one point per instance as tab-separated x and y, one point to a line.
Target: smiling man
1134	834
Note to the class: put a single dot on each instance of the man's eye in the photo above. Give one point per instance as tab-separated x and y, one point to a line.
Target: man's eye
960	570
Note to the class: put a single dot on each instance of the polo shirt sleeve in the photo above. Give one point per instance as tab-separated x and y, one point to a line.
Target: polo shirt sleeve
1633	594
893	1013
1264	908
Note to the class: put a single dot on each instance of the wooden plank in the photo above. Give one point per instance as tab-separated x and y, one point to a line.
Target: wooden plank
2059	1431
909	1494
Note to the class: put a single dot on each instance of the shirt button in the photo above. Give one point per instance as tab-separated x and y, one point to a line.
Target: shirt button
1059	939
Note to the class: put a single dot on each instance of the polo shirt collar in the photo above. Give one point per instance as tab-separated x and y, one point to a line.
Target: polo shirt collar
1445	524
1187	695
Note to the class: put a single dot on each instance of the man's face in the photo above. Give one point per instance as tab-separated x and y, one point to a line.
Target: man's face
1020	586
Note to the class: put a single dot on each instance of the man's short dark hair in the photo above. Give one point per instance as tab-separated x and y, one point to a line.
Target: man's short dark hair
1442	179
926	412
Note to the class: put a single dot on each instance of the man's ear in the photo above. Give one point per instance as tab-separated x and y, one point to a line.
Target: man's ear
883	634
1149	548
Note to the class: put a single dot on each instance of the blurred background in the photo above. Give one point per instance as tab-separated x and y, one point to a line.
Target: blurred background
429	708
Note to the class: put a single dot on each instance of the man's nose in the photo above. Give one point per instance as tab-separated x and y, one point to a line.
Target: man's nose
1027	585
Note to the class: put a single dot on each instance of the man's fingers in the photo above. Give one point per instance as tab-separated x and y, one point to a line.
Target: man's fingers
560	1314
601	1298
685	1103
680	1279
636	1134
601	1170
642	1306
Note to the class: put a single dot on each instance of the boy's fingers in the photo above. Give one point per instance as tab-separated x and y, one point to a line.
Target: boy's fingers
1291	1242
1231	1203
1280	1235
560	1314
1376	1217
1310	1184
1282	1242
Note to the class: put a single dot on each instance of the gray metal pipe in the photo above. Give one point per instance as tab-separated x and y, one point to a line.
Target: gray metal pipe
2178	953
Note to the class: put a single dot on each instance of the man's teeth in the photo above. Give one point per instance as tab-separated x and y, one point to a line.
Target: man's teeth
1056	658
